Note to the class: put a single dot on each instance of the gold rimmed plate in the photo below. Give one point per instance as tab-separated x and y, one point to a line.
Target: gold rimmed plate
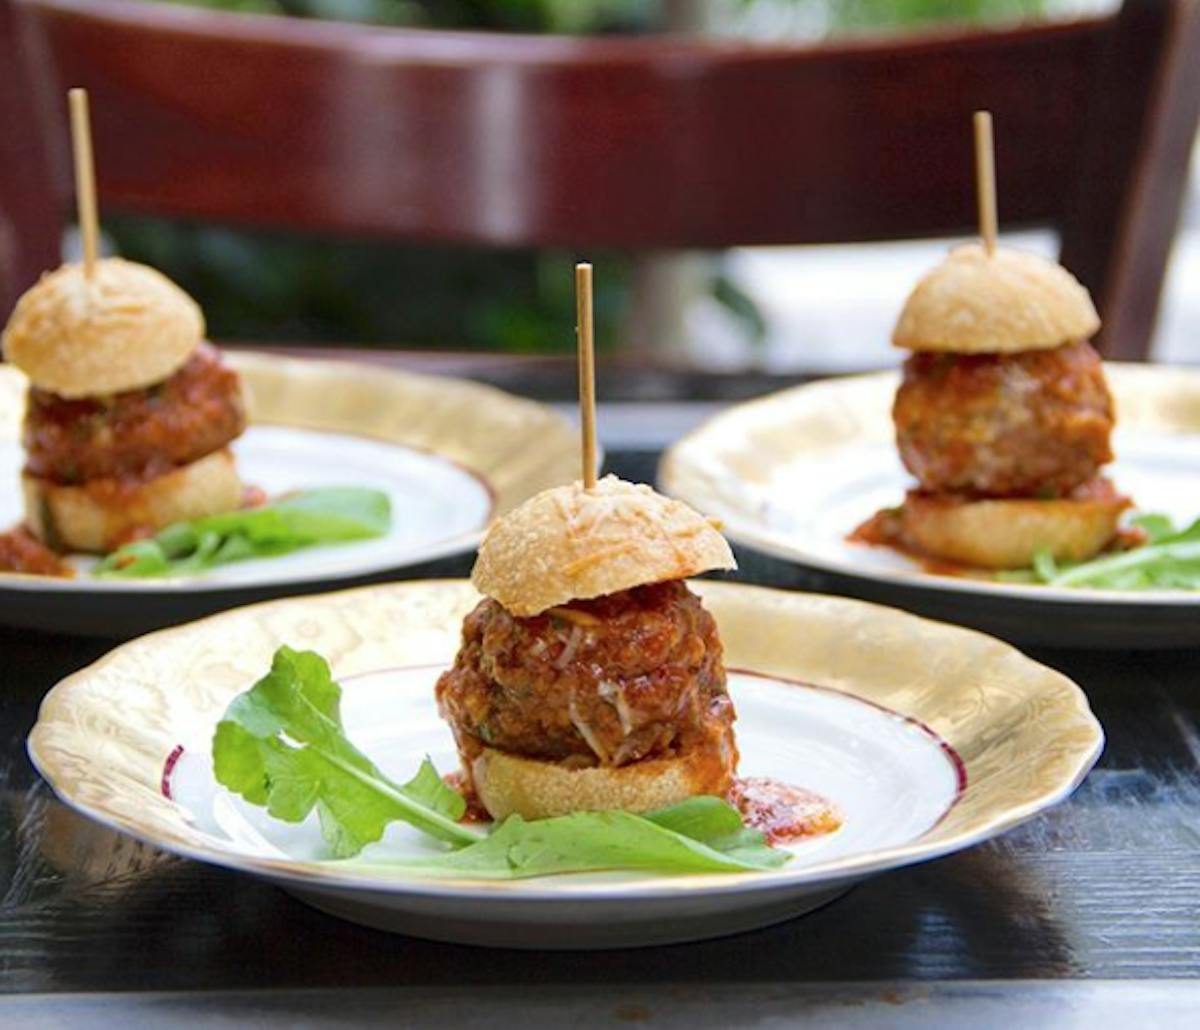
793	473
929	738
451	455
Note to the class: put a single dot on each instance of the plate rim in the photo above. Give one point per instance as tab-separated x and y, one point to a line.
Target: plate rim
268	363
315	875
741	530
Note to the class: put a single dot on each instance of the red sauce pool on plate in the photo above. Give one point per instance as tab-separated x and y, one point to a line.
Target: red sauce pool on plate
782	812
21	551
475	812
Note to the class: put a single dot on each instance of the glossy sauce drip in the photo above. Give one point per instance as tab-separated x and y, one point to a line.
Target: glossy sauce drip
781	812
254	496
475	813
21	551
885	529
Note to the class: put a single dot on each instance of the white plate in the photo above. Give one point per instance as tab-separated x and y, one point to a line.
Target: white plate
448	454
793	473
438	508
927	737
893	779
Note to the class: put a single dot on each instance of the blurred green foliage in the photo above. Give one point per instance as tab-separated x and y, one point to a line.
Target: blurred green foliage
856	14
259	285
570	16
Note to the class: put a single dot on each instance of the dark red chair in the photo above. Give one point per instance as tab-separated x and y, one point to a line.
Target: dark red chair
646	143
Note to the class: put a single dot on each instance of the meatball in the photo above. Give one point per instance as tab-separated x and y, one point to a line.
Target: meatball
1030	424
138	434
608	681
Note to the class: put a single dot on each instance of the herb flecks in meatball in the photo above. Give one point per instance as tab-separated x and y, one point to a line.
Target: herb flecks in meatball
607	681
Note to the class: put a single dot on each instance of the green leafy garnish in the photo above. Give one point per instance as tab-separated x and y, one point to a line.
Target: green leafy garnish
281	745
1159	529
1170	560
700	835
303	519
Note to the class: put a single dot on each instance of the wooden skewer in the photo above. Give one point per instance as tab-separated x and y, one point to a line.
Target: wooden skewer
587	371
985	179
85	178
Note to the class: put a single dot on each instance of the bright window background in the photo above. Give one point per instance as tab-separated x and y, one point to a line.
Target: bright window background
832	308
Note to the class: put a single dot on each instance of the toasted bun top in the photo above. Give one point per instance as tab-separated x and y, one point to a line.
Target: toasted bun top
126	327
973	303
568	543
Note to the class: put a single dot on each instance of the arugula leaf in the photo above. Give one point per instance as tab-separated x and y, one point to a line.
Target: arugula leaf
595	841
1045	567
702	834
281	744
1156	526
1170	560
303	519
718	825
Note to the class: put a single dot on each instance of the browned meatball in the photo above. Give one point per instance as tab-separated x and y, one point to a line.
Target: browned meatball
1031	424
608	681
138	434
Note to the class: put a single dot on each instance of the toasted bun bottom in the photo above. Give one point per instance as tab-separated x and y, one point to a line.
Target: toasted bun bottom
1006	534
537	789
96	516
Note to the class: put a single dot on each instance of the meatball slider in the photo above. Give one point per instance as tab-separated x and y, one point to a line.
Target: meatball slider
590	677
1004	415
129	413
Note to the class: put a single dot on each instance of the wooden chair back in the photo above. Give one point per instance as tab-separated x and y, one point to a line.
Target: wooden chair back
647	143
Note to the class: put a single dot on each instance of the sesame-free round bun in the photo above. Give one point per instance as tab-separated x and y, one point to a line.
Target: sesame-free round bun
125	328
536	789
1007	533
98	515
567	544
973	303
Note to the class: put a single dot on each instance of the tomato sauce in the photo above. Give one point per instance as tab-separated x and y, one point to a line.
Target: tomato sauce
459	781
254	497
21	551
781	812
123	440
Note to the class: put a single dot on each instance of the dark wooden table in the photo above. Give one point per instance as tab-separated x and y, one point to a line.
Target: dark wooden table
1089	912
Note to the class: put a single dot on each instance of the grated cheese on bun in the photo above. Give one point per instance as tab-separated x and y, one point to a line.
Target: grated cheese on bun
568	544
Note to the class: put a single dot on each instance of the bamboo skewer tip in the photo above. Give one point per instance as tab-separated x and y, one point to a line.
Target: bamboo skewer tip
584	333
985	180
85	177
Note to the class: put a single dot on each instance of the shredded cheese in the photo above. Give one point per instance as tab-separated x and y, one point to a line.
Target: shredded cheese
574	616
